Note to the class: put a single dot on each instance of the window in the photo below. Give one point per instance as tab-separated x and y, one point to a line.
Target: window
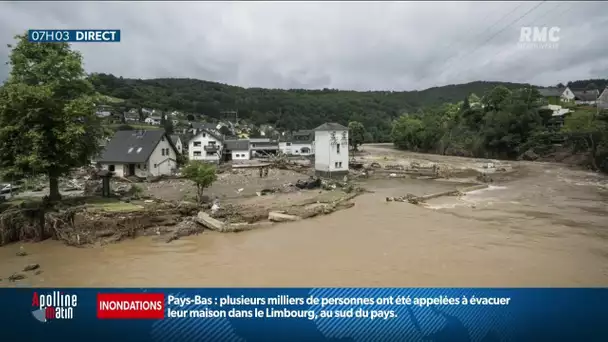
288	144
297	151
155	166
197	153
212	143
336	165
162	151
197	144
210	154
252	145
139	150
338	148
130	150
111	168
204	135
162	138
339	164
139	166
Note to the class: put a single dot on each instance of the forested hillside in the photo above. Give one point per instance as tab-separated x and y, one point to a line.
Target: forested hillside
287	109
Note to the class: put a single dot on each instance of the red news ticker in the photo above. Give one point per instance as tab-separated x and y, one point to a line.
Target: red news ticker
130	305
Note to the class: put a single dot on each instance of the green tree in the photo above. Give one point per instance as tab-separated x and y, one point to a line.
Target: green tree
407	133
168	125
47	113
224	130
586	128
496	98
356	134
202	174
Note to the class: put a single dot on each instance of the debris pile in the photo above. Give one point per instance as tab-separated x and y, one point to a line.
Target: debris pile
413	199
311	183
78	225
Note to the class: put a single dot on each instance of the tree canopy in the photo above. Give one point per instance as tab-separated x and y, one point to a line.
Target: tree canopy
47	112
202	174
356	134
288	110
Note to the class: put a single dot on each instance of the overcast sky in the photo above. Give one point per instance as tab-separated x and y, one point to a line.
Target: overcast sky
344	45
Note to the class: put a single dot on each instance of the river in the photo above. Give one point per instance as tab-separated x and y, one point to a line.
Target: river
549	228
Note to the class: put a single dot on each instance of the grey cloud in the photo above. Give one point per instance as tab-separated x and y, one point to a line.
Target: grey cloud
359	45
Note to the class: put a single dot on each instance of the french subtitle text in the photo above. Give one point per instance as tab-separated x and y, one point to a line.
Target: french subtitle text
311	307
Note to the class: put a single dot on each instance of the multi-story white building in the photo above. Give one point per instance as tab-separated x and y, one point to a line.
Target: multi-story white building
300	143
331	150
206	145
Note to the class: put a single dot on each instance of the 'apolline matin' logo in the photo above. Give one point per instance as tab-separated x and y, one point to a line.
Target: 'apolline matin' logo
53	306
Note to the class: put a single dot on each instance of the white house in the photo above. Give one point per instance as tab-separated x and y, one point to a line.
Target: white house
262	147
555	95
300	143
567	95
206	145
139	153
177	142
153	120
238	149
331	150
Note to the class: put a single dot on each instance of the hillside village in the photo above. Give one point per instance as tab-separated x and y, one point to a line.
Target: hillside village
237	141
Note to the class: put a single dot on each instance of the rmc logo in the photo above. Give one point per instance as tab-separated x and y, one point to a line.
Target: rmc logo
539	37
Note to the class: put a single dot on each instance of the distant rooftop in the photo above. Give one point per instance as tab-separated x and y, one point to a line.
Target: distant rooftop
331	126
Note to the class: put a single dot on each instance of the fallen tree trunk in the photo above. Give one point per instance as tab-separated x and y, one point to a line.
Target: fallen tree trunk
280	217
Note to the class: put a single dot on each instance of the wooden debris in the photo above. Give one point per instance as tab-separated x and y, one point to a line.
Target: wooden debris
31	267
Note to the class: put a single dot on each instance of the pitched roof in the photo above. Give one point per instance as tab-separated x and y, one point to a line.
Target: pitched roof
174	138
585	95
237	145
208	128
551	92
132	146
331	126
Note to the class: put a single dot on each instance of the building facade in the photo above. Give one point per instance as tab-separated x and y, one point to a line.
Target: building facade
237	150
177	142
300	143
331	150
139	153
206	146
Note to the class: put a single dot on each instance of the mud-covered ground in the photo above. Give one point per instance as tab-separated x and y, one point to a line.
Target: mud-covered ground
230	185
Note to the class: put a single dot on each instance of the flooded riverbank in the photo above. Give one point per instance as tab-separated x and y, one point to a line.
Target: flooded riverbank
549	228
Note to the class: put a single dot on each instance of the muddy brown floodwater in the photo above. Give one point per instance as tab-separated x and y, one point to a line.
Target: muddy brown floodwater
549	228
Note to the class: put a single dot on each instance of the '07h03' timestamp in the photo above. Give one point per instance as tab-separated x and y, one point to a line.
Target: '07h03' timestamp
74	36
